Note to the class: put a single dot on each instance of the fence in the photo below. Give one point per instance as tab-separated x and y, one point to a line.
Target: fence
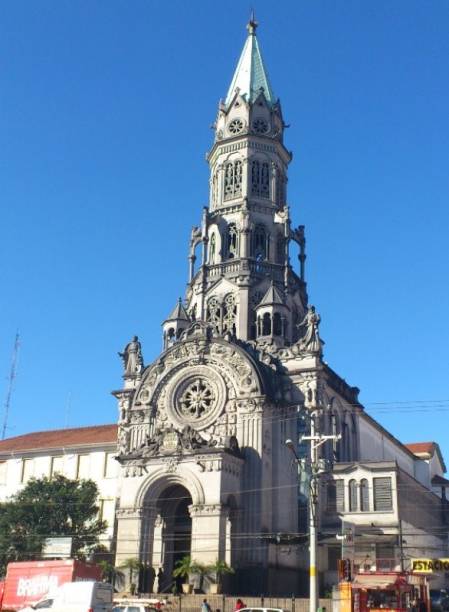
226	603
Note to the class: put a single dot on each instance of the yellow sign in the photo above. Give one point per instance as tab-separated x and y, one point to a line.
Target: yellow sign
427	566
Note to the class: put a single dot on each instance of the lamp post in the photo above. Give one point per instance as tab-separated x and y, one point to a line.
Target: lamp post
317	467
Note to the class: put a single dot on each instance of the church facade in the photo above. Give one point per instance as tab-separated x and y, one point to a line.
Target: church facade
202	430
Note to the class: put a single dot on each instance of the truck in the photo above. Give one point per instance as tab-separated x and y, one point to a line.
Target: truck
27	582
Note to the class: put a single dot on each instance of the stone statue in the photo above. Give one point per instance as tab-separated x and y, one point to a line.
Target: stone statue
311	338
191	439
123	440
132	357
152	445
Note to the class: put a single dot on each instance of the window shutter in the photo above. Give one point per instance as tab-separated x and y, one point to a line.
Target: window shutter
382	494
340	493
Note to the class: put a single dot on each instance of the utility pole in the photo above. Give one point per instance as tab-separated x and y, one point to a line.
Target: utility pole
11	378
317	467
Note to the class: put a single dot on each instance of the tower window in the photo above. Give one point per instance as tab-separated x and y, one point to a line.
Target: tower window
280	188
260	179
233	180
229	314
232	242
266	324
259	243
214	314
277	324
212	249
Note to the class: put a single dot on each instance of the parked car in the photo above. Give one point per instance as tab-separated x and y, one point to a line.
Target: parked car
261	610
439	601
134	607
77	597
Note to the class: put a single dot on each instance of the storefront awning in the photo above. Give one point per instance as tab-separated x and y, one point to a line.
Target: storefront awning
375	581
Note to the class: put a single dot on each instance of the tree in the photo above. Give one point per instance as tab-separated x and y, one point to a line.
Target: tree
48	508
110	573
218	569
132	565
187	566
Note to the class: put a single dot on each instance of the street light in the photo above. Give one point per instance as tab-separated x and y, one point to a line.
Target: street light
317	467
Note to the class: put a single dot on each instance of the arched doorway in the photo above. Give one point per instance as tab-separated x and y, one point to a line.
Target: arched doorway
174	533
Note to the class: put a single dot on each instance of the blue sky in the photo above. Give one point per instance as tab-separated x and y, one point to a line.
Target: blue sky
105	113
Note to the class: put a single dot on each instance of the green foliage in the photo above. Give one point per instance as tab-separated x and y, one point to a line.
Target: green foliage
110	573
131	565
220	568
48	508
186	566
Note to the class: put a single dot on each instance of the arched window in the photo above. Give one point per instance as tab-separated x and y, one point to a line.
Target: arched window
212	249
232	180
364	495
213	314
215	188
170	337
259	243
232	241
260	179
229	314
352	496
277	324
266	324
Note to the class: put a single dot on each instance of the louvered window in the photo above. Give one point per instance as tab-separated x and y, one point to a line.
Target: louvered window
352	496
364	495
340	495
382	494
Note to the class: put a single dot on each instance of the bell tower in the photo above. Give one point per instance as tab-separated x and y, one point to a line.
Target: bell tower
245	233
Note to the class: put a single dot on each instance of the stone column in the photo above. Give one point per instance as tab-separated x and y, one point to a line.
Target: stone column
129	532
208	532
158	544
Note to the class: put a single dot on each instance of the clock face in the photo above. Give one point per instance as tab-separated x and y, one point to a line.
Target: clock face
236	126
260	126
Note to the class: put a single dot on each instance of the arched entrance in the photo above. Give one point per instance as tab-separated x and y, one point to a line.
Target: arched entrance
172	533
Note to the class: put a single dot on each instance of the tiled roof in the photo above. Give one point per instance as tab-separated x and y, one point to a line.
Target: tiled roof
60	438
426	448
421	447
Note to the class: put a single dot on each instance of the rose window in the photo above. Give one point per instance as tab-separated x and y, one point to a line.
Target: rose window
236	126
260	126
197	399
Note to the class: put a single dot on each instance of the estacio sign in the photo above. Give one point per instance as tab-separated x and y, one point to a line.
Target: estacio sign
427	566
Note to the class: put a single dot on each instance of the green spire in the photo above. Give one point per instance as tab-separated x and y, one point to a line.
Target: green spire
250	75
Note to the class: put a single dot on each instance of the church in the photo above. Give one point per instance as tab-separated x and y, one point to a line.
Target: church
203	468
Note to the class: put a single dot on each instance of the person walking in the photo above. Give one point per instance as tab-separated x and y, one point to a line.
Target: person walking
205	607
239	605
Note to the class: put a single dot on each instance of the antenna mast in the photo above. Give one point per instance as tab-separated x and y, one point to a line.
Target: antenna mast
11	378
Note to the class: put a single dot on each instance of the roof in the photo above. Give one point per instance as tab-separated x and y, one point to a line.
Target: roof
57	438
272	296
426	448
178	312
250	75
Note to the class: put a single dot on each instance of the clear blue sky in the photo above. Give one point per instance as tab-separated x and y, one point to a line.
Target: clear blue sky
105	108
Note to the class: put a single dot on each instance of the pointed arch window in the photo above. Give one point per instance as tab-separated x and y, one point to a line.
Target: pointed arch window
232	241
277	324
266	324
280	188
233	180
352	496
260	179
213	314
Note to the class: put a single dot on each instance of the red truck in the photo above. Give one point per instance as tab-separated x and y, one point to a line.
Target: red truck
27	582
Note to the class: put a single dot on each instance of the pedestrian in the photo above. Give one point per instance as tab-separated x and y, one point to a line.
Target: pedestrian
205	607
239	605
